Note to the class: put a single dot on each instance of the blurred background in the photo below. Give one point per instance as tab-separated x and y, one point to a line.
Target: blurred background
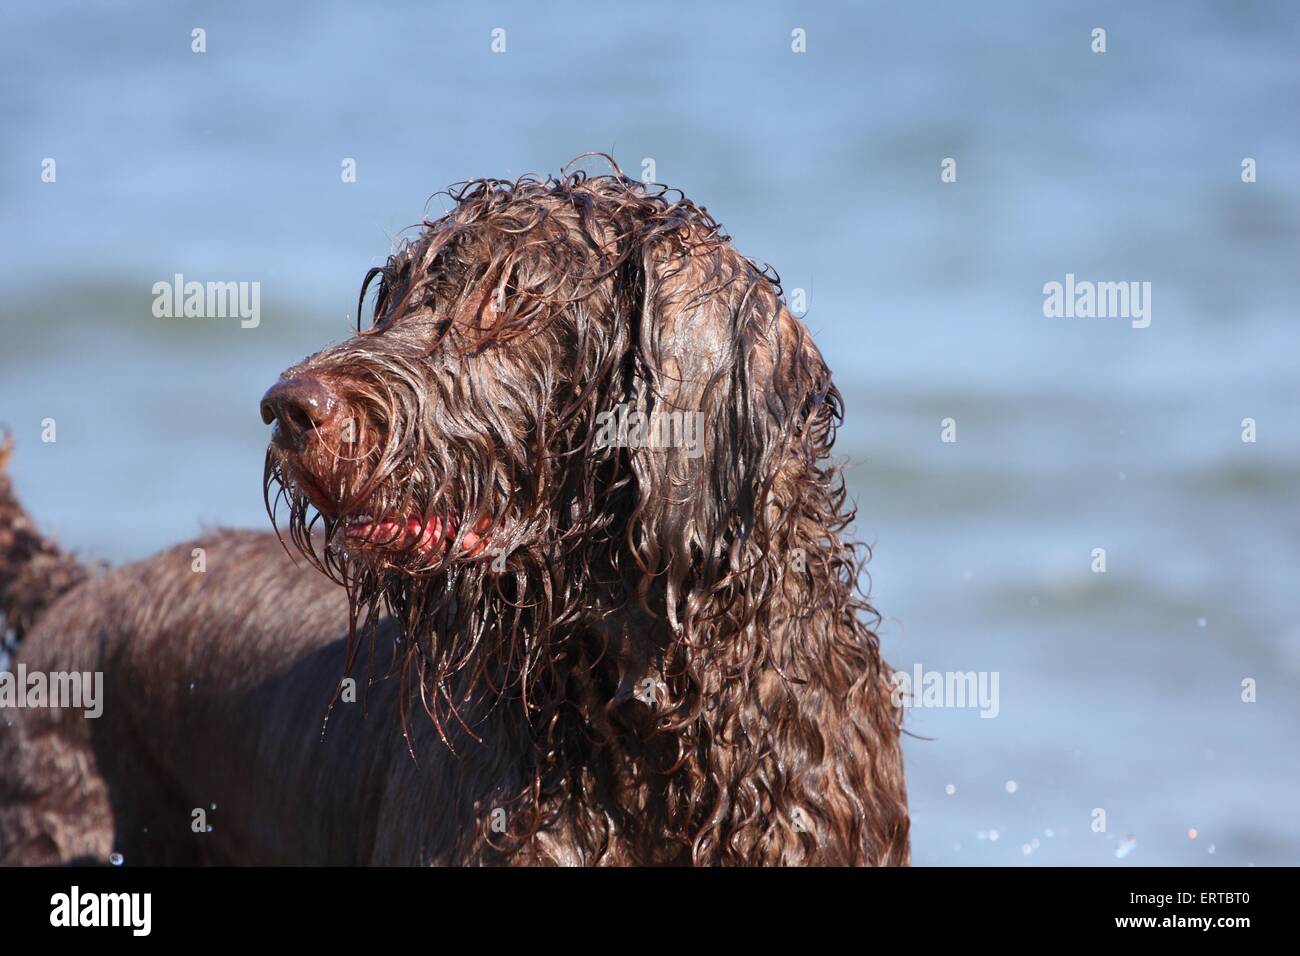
1119	691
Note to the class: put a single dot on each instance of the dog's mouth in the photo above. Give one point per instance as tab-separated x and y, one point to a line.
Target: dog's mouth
380	527
429	537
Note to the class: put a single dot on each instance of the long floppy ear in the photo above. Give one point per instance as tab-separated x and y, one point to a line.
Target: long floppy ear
774	685
732	401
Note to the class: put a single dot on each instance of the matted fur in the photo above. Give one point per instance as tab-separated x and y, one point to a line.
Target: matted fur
34	571
720	584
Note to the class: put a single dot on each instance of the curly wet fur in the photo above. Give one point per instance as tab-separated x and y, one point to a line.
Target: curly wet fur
34	571
500	336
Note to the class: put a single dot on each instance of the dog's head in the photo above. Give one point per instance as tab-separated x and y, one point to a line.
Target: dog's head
577	404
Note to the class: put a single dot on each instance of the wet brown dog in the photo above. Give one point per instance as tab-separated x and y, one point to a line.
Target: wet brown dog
596	604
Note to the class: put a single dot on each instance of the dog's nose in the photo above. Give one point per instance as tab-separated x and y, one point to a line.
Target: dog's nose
298	405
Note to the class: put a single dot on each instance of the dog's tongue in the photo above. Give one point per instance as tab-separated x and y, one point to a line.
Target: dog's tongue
424	534
396	533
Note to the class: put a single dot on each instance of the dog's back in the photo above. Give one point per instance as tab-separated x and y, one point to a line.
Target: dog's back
218	661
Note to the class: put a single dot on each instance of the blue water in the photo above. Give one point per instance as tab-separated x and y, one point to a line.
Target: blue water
1119	691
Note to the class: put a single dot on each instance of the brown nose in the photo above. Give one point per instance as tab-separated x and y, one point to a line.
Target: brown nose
299	406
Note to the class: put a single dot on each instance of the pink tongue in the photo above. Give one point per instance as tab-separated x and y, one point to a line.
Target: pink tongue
425	534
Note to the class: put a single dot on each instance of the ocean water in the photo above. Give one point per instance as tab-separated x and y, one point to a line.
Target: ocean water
1118	691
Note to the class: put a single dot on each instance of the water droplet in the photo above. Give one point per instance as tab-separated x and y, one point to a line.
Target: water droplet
993	836
214	806
950	790
1201	622
1211	849
209	828
1126	846
116	859
1191	833
1049	832
1026	849
1011	786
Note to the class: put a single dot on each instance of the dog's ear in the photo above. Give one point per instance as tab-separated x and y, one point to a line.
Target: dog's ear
729	407
774	696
